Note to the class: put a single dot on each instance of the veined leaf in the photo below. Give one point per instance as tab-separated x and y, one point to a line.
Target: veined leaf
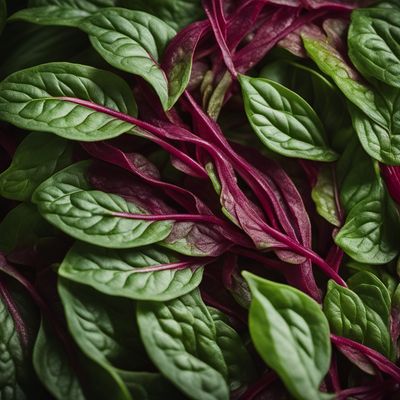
38	157
374	45
133	41
291	333
118	272
284	121
180	338
67	201
39	98
86	5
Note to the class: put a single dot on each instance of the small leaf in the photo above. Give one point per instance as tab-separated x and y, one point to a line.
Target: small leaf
53	367
38	157
133	41
180	338
23	226
37	99
241	369
117	272
291	333
67	201
283	121
374	43
323	194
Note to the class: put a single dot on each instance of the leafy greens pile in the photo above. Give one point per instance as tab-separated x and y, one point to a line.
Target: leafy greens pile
199	199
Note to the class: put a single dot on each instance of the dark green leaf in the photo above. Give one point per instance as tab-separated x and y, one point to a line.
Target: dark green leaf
53	367
117	272
374	45
177	13
291	333
67	201
241	369
105	329
36	99
38	157
284	121
180	338
23	226
86	5
132	41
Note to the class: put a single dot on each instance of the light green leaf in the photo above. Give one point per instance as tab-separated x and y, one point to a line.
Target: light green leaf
180	338
53	367
38	156
323	194
284	121
374	46
291	333
37	99
133	41
241	369
67	201
117	272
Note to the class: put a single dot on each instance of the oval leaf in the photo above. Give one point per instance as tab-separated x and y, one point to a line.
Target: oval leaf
118	272
284	121
291	333
38	157
38	99
132	41
180	338
67	201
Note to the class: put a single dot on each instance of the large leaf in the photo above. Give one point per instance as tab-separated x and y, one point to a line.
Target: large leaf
38	99
67	201
291	333
180	337
53	367
133	41
118	272
351	315
177	13
86	5
38	157
284	121
104	328
241	369
374	45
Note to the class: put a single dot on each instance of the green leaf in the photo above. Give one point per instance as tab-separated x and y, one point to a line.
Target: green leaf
38	157
361	312
133	41
37	99
331	62
291	333
177	13
323	194
67	201
53	367
369	234
23	226
149	386
284	121
3	14
117	272
180	338
86	5
15	343
374	46
104	328
241	369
